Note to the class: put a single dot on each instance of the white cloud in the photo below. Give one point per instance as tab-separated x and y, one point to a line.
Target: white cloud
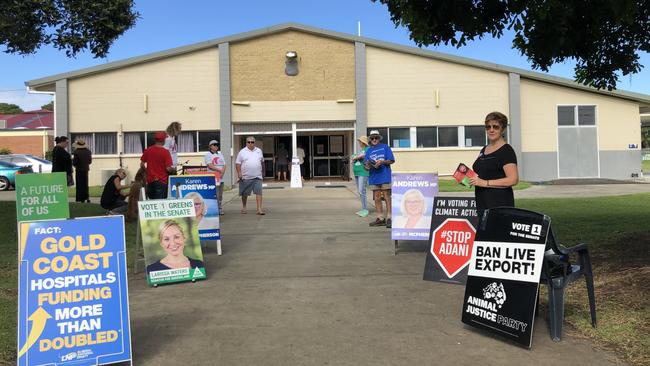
26	101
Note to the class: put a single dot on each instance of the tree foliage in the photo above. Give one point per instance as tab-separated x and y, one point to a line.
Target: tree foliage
8	108
603	37
49	106
70	25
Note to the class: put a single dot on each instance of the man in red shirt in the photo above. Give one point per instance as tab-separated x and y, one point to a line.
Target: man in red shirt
158	162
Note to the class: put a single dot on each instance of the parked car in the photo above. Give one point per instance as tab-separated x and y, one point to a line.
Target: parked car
8	172
39	165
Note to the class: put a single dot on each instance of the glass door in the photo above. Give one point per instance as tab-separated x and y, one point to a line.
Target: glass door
328	155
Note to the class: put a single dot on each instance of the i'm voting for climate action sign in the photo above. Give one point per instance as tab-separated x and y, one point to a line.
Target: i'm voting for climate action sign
504	271
72	292
453	228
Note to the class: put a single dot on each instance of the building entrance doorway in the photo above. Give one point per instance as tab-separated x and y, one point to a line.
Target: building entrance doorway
326	155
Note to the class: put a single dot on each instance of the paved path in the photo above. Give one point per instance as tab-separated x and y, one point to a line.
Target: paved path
312	284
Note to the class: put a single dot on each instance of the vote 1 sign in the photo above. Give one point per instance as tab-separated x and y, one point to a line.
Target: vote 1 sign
73	296
504	271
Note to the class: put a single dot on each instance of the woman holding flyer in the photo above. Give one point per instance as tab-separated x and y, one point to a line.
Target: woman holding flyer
496	167
172	240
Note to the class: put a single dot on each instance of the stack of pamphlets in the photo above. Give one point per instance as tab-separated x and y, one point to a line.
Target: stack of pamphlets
463	173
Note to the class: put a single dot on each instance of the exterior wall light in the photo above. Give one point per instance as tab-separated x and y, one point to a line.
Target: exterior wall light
291	63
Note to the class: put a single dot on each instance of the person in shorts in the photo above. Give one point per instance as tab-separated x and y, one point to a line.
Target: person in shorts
378	159
282	162
250	168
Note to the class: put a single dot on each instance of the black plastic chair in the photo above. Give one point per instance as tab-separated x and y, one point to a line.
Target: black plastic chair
557	270
558	273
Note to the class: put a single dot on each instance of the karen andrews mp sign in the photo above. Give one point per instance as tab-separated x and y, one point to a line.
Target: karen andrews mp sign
202	190
504	271
412	195
73	297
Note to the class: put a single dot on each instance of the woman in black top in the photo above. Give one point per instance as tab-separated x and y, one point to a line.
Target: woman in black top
496	167
112	195
61	159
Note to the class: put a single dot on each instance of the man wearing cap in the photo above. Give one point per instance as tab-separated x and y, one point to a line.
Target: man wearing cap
217	165
158	162
250	168
378	159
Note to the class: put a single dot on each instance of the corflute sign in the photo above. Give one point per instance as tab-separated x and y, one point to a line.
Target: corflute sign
504	271
452	239
72	299
412	195
202	189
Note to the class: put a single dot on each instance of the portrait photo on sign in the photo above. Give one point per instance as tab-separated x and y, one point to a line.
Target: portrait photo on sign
412	195
202	190
171	243
207	214
414	210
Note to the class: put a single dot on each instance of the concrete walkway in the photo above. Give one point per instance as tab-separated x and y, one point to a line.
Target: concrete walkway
311	284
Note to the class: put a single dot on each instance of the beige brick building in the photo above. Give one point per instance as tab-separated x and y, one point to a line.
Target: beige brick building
297	85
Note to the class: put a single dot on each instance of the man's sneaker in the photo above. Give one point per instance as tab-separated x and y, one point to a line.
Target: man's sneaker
389	223
363	213
358	213
378	222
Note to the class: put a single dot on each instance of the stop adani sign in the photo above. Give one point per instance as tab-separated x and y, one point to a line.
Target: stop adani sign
452	245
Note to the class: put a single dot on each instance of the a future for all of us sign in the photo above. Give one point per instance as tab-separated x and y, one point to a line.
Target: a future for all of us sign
41	197
73	295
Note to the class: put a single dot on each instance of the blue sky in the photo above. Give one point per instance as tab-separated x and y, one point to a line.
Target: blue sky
166	24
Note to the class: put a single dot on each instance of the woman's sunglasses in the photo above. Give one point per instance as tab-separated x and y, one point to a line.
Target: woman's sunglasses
492	127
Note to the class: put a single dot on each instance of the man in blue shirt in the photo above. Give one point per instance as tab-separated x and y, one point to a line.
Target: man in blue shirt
378	159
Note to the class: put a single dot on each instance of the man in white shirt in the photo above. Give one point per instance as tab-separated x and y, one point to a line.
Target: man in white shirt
217	165
250	171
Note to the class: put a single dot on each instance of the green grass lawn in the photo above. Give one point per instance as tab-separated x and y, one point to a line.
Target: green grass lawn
93	191
616	229
450	185
645	166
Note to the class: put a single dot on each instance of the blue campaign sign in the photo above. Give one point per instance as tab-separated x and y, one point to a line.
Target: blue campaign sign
73	304
202	189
